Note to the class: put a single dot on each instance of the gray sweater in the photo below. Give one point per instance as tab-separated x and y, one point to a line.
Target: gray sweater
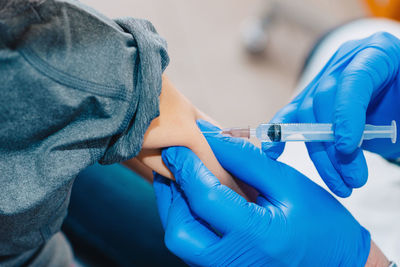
75	88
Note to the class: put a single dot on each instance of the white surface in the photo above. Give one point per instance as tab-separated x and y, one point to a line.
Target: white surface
376	205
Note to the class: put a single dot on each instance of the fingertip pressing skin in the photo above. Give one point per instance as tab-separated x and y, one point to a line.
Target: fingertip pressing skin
176	126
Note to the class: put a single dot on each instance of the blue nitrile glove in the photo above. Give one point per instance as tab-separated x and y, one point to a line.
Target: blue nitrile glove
358	85
294	222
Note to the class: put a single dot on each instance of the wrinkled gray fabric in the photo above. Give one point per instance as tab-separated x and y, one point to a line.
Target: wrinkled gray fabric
75	88
56	252
9	8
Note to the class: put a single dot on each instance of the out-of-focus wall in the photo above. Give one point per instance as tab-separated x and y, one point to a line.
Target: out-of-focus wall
208	62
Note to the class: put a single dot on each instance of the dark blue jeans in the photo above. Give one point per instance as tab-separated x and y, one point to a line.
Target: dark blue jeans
113	220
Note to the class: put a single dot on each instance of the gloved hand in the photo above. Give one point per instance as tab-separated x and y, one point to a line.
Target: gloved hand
358	85
293	223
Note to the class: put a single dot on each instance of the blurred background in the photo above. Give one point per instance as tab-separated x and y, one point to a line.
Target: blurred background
240	61
209	60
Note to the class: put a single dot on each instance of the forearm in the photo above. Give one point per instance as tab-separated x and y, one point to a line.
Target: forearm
376	257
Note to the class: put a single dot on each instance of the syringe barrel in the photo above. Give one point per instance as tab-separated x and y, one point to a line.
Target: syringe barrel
316	132
307	132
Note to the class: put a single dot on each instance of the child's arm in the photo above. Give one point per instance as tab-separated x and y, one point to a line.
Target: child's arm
176	126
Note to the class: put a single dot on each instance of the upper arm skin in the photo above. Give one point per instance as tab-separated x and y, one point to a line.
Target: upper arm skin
176	126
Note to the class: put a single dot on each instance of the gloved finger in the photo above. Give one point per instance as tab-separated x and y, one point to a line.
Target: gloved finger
217	204
317	150
364	75
185	235
352	168
326	170
287	114
247	163
163	194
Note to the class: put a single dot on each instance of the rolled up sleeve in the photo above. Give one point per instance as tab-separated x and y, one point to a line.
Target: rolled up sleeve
153	60
75	88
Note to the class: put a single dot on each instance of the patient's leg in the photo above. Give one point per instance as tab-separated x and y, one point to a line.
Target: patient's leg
176	126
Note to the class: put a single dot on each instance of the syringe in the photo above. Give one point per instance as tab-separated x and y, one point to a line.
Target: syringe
306	132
